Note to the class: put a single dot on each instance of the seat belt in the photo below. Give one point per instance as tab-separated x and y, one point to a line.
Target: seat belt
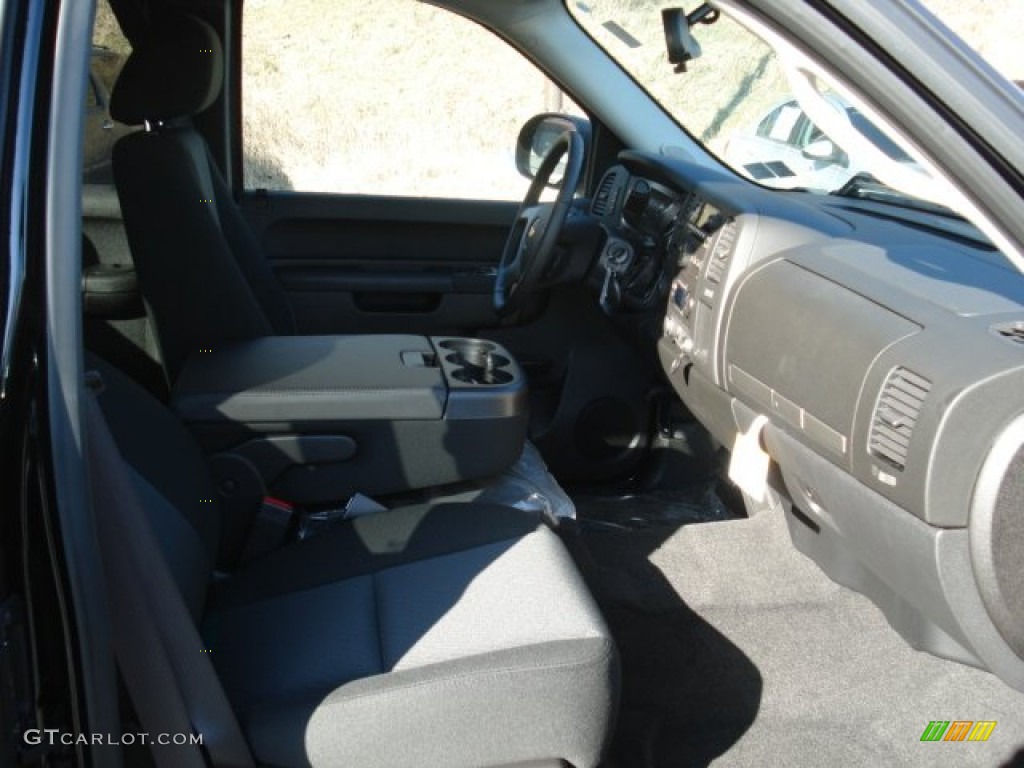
170	679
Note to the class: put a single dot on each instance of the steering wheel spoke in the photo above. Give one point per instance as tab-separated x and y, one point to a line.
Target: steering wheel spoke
532	243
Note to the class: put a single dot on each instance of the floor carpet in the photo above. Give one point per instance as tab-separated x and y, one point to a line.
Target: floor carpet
738	651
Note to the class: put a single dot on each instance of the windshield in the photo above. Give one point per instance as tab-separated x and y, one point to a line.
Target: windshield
758	117
874	134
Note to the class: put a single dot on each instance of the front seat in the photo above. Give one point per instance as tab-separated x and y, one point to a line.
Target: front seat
202	273
436	635
201	269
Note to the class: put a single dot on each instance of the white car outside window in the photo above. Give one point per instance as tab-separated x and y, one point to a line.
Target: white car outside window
785	149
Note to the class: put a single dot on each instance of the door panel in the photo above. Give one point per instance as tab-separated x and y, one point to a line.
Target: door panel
359	264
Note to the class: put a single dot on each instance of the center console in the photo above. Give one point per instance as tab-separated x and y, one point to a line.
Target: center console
705	243
315	419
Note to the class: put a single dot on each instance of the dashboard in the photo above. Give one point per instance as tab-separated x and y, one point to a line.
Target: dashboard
885	348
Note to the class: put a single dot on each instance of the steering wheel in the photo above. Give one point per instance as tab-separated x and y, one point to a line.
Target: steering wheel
531	244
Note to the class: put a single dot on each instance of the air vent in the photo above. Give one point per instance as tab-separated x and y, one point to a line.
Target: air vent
603	198
723	250
1012	332
896	415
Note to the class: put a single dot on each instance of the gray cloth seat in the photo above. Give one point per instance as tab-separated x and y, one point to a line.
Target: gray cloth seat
441	635
452	635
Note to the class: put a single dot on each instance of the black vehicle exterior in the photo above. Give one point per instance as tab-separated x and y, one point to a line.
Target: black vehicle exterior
42	670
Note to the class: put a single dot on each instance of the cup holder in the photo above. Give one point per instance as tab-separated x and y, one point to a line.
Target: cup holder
476	362
467	345
485	360
481	376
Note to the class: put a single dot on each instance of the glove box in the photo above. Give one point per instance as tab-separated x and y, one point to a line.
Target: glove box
314	419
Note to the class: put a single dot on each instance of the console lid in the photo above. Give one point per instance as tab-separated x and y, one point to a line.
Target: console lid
294	379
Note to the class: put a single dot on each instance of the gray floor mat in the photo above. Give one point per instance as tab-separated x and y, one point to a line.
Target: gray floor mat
738	651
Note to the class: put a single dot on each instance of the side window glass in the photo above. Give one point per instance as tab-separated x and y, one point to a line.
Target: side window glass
786	123
764	128
92	99
400	98
807	133
110	50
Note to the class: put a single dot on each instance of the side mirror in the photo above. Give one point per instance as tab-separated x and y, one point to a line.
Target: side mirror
538	135
823	150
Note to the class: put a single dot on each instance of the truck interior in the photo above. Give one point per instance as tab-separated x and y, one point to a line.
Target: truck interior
648	462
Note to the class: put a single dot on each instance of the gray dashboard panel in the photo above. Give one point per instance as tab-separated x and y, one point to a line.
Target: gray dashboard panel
919	575
941	285
958	280
886	347
809	342
976	378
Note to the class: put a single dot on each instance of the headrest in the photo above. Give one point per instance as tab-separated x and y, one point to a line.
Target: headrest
175	71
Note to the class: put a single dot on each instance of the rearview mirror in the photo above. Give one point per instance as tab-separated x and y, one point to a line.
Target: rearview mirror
537	137
680	44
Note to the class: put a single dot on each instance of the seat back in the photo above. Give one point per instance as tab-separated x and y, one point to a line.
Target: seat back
201	271
155	529
170	479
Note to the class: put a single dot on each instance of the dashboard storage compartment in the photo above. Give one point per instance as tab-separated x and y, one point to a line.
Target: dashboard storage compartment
314	419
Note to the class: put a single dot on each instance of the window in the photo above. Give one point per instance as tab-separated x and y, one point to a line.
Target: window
389	99
738	100
781	124
808	133
92	97
110	50
876	137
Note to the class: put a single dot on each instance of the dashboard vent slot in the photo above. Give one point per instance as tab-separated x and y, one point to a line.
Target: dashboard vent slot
896	415
603	198
1012	332
722	251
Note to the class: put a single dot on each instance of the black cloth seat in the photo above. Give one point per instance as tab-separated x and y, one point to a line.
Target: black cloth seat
441	635
202	271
